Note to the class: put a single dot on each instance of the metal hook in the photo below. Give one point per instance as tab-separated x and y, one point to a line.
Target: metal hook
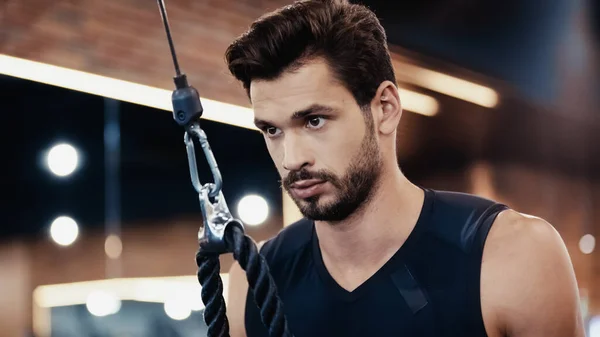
217	217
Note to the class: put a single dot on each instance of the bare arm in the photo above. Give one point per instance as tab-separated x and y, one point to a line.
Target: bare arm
528	282
236	301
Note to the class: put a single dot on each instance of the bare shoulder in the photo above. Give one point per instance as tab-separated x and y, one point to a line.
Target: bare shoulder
528	285
236	299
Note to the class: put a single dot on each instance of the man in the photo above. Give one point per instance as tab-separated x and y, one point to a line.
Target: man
375	254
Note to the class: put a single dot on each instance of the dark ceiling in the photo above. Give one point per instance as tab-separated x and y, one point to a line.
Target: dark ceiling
515	41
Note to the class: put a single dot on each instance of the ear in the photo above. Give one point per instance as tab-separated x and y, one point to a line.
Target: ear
386	108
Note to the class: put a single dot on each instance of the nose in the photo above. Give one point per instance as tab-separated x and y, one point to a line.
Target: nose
296	154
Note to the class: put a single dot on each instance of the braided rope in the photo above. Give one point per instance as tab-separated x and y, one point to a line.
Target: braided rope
212	294
260	282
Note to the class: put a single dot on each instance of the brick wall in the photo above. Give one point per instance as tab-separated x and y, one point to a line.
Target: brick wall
125	39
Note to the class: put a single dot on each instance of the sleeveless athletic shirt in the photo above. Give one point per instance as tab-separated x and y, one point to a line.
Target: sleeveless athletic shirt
430	287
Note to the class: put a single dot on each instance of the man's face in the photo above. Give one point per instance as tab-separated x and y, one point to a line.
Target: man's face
322	144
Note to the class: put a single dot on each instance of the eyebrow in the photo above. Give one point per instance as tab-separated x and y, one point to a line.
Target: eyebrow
300	114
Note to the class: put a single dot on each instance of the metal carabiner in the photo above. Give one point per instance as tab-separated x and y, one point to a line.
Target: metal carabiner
215	188
216	215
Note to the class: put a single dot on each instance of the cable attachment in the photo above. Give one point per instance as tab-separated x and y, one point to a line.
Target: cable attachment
186	102
215	211
220	232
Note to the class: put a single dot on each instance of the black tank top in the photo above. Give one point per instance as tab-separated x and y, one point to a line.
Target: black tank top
430	287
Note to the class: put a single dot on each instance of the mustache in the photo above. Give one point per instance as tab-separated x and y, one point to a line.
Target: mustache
304	174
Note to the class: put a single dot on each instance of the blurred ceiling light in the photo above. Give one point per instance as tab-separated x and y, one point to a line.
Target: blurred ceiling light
193	295
595	326
103	303
118	89
419	103
113	246
253	210
587	243
177	308
62	159
146	289
196	304
449	85
142	94
64	230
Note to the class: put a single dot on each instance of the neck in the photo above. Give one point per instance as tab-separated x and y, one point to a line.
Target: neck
376	231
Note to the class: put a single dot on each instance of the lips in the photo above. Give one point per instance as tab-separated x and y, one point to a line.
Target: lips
306	183
307	188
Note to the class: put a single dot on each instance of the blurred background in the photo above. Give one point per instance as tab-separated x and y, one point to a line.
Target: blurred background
99	219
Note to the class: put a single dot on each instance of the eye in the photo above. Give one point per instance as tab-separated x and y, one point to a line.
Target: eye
272	131
315	122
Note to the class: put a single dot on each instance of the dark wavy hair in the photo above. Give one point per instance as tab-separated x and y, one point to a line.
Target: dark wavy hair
349	37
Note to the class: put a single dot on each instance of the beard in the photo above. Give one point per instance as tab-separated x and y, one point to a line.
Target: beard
353	190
